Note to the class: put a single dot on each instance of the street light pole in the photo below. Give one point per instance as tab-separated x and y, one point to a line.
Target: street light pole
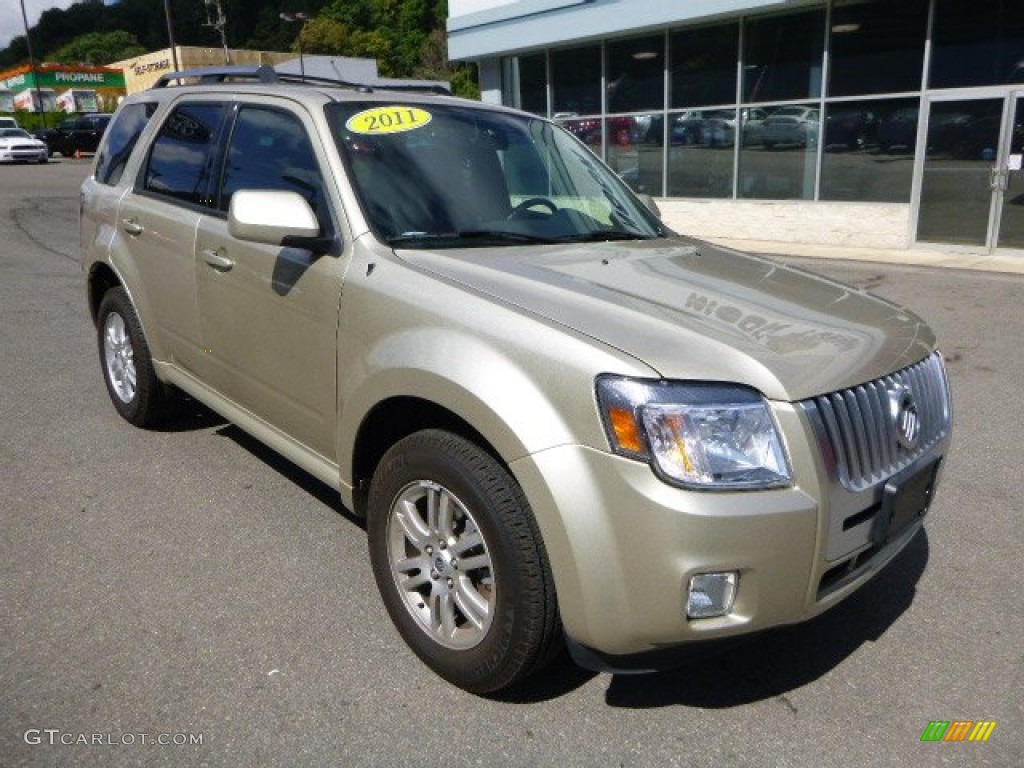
302	18
32	66
170	34
218	22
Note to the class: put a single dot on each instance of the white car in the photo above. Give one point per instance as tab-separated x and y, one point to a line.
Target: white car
19	146
791	125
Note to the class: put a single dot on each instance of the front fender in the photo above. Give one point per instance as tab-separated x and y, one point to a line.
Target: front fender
523	382
490	390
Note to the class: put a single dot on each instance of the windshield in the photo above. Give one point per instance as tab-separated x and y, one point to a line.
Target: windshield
438	175
14	133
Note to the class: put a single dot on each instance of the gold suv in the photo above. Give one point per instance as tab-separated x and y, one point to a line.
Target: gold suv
564	422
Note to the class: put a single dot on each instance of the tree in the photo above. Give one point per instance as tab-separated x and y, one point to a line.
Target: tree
406	37
434	65
99	48
270	32
325	36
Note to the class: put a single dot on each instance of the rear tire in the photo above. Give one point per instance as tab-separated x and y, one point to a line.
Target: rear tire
128	370
460	564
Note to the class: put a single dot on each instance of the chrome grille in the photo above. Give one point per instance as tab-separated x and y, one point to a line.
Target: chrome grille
862	431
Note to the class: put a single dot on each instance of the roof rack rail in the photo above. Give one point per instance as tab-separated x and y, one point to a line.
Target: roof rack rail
206	75
267	74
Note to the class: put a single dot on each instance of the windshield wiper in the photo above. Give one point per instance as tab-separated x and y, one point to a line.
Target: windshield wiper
602	235
491	235
504	234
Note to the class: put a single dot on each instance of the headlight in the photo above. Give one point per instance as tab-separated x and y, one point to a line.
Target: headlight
697	435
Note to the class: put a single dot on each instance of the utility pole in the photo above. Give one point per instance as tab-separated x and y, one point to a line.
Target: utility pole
32	65
170	35
218	22
299	18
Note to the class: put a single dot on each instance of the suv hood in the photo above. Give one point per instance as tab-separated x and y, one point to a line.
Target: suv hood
691	310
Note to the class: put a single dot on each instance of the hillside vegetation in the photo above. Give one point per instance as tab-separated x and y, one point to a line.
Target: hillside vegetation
406	37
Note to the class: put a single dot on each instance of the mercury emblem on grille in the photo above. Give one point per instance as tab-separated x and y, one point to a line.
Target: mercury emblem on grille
906	417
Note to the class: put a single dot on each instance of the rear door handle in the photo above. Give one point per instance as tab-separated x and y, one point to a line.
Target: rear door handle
217	259
132	226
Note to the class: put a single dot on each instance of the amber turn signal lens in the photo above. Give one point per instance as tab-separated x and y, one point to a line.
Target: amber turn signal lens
627	434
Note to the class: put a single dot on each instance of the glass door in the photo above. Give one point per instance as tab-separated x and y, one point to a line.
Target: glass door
972	180
962	143
1009	178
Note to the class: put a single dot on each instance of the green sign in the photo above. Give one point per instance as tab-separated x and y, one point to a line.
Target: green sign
64	79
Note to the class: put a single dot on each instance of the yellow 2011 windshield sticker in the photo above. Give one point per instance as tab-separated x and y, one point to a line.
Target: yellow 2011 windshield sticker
393	119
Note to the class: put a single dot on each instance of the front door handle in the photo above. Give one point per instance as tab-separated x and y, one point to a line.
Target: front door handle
132	226
217	259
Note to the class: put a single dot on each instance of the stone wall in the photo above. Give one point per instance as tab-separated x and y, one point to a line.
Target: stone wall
874	225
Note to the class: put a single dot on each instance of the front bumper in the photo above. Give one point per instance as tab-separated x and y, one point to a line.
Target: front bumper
623	545
22	155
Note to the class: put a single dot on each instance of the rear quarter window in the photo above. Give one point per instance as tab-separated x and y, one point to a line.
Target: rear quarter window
121	140
181	158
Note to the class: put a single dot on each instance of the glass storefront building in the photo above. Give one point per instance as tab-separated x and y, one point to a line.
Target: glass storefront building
898	119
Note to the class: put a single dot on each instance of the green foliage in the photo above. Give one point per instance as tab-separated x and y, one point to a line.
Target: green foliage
464	82
434	65
99	48
33	121
395	32
324	36
406	37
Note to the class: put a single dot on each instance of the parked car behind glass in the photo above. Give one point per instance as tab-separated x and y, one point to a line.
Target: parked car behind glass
791	125
898	130
850	128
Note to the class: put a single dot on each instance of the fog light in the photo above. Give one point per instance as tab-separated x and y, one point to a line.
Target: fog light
711	594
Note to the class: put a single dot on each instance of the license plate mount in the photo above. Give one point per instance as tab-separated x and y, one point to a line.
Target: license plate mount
905	499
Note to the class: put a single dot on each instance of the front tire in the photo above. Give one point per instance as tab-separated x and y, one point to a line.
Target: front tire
460	564
128	371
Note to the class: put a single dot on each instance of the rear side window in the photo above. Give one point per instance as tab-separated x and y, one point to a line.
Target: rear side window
124	133
182	156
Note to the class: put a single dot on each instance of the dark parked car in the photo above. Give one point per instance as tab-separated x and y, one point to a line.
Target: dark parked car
850	128
75	135
898	130
964	136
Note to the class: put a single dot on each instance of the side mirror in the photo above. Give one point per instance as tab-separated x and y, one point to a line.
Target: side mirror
275	217
652	206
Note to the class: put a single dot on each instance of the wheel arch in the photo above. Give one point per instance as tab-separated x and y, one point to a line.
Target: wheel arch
500	394
101	279
393	419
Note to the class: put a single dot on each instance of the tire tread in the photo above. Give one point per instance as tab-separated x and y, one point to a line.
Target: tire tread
537	640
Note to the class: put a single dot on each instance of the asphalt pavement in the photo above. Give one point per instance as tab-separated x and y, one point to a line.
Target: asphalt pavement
184	597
